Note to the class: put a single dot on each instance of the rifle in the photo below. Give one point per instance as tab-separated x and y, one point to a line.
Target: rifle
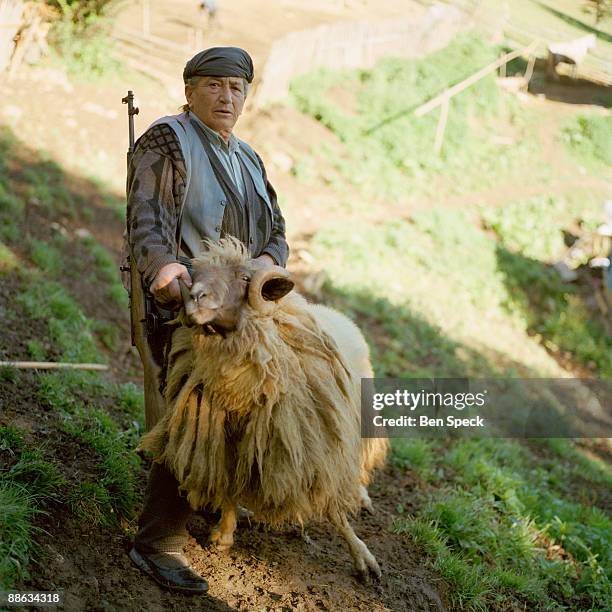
132	110
154	316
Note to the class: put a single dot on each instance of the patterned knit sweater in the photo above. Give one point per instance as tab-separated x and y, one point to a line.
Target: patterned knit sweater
155	188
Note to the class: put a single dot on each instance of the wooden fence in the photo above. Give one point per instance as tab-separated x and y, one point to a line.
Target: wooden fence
357	44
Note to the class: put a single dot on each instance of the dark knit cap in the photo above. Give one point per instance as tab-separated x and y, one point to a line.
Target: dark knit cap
221	62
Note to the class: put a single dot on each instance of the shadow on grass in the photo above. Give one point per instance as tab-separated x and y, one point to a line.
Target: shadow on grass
405	344
566	89
32	183
569	90
557	312
55	220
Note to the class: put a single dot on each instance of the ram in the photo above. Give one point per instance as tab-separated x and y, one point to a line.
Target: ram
263	402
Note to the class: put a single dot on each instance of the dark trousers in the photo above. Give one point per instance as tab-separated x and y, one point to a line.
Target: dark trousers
162	523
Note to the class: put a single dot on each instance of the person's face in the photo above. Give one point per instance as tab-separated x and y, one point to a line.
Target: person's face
217	101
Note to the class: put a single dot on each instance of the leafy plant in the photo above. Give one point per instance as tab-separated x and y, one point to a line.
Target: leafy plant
590	137
80	36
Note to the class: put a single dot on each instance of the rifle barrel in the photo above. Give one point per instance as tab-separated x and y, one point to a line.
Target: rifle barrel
132	110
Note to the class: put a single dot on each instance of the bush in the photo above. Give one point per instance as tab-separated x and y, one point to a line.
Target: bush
81	10
80	36
590	137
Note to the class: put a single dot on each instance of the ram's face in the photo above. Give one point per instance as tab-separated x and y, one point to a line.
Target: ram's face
217	296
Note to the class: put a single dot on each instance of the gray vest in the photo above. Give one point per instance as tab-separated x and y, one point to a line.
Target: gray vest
204	201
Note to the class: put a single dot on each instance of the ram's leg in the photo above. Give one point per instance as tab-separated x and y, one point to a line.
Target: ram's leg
223	533
366	502
363	559
244	515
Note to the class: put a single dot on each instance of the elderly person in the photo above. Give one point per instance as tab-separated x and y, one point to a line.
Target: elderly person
189	179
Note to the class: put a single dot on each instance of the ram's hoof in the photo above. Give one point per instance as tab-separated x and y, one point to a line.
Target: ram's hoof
367	567
222	541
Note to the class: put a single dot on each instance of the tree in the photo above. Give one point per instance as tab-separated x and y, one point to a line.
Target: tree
80	10
599	8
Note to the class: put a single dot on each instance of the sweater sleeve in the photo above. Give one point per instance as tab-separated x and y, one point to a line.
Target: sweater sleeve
155	188
277	246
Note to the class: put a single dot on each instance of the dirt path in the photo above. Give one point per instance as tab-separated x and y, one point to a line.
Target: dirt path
265	570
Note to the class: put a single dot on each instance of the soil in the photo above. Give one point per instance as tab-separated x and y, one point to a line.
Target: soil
82	126
265	570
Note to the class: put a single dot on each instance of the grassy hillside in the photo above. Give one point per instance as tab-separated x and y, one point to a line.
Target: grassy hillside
446	263
468	289
492	263
62	301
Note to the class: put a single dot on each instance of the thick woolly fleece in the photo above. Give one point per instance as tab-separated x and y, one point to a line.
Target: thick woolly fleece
268	417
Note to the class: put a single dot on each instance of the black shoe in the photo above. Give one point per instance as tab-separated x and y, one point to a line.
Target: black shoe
170	570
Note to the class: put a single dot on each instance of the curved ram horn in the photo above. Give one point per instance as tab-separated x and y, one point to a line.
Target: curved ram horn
184	292
268	285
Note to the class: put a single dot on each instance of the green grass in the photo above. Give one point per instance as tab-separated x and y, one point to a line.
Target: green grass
17	511
388	153
68	327
27	483
131	399
8	259
46	187
101	418
589	138
46	256
74	395
81	41
91	503
36	350
503	527
9	374
417	454
106	268
10	211
117	462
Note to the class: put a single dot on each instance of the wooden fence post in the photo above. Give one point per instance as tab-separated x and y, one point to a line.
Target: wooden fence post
442	125
529	71
146	17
